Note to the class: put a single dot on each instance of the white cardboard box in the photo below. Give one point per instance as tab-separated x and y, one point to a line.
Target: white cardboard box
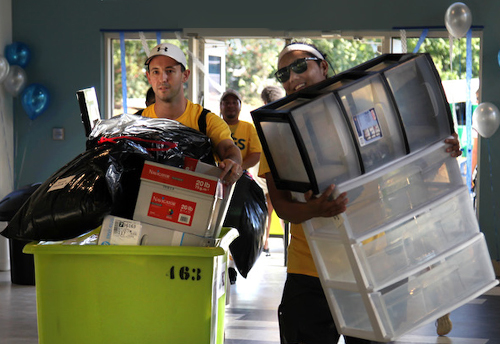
179	199
120	231
161	236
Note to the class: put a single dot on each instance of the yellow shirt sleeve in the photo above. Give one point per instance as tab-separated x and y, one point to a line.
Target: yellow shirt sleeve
263	166
217	129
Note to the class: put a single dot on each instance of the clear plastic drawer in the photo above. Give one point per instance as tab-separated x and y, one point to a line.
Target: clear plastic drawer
392	192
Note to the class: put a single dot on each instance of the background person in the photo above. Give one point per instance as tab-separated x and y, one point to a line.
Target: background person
304	315
269	94
166	70
243	133
150	99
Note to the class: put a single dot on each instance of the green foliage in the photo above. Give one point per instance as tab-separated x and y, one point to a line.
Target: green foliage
344	54
250	66
251	63
137	83
439	49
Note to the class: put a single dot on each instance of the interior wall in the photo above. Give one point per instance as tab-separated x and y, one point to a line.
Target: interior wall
67	54
6	123
6	132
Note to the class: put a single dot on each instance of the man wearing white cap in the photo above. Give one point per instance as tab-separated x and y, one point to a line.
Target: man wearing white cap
167	72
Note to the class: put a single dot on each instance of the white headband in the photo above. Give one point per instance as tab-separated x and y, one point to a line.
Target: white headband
301	47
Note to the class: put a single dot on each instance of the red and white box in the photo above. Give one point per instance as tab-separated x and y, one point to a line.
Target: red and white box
179	199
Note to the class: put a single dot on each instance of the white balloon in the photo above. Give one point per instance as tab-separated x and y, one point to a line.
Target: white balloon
4	68
458	19
486	119
15	80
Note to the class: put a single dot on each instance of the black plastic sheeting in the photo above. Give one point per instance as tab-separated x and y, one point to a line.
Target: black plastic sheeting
105	178
247	213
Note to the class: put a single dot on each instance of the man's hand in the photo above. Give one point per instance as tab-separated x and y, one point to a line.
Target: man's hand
231	171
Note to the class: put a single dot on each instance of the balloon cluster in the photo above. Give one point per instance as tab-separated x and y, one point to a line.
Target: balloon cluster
35	97
486	117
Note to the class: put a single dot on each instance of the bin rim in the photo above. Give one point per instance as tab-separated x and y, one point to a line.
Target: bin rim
182	251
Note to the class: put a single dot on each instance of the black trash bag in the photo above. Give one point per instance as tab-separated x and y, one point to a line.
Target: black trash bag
167	141
156	139
71	202
247	213
103	180
11	203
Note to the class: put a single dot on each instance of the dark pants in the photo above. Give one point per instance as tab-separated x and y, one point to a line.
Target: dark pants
304	315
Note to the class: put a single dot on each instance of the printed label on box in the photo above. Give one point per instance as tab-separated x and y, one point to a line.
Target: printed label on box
180	179
171	209
119	231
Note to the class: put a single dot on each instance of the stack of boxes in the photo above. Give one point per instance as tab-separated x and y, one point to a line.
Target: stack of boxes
408	248
161	293
174	207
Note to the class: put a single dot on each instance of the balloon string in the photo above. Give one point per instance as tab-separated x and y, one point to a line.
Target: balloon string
404	46
24	153
494	200
144	44
421	40
468	110
124	71
450	39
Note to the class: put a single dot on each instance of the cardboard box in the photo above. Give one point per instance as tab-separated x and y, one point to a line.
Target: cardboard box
120	231
161	236
178	199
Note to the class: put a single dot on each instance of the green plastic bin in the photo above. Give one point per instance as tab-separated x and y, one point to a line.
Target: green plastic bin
129	294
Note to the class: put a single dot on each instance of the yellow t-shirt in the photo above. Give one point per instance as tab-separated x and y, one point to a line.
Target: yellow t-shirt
217	129
245	138
300	260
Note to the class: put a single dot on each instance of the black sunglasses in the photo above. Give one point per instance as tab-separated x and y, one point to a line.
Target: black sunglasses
298	66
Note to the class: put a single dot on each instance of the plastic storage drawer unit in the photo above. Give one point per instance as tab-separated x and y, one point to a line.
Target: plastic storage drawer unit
389	193
129	294
459	276
402	246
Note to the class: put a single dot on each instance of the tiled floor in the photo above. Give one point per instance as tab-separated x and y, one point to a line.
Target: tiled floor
251	312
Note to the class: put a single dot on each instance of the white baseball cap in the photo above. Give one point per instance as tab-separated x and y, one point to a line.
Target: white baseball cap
170	50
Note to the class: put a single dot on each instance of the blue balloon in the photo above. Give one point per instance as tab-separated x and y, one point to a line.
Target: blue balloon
18	54
35	100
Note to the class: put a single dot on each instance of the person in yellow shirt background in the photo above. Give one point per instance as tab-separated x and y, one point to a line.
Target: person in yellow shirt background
244	137
243	133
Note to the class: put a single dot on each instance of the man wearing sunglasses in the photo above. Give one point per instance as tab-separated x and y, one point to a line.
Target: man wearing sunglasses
304	315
